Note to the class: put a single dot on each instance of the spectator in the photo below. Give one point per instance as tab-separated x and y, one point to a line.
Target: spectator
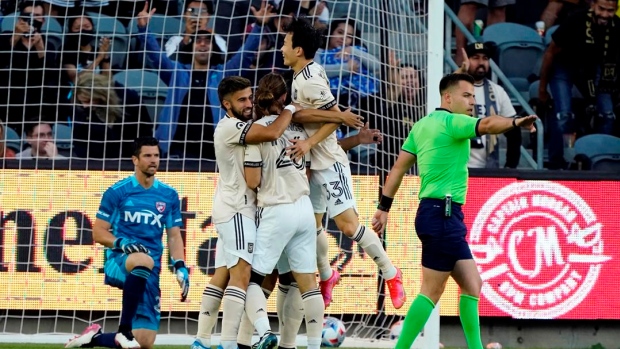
58	9
82	51
467	15
27	70
186	124
491	99
557	9
231	19
5	152
404	104
584	52
107	120
197	14
262	61
41	140
348	65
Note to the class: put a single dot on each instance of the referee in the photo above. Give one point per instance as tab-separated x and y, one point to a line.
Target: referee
440	145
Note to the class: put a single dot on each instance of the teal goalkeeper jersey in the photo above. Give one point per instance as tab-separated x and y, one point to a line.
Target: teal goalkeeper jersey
141	214
441	144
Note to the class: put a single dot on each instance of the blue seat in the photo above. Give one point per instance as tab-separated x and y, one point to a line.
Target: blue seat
13	140
149	86
519	49
161	26
598	152
111	27
63	136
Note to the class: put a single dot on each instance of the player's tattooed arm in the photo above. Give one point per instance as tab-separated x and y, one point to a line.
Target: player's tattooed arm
321	116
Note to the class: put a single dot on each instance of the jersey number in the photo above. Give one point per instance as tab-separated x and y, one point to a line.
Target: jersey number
338	190
285	161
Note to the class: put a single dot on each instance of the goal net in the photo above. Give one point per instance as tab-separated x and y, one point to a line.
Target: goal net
80	80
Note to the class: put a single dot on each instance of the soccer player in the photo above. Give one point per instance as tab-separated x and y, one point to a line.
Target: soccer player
440	144
330	180
235	200
234	206
285	220
130	222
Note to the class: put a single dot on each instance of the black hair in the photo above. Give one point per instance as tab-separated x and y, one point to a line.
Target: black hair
28	3
208	4
230	85
216	56
452	80
357	35
31	123
304	36
145	141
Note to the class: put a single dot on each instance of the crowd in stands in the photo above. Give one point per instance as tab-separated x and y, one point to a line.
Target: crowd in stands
66	67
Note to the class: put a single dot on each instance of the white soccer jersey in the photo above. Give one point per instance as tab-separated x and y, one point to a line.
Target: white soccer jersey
311	90
232	194
283	180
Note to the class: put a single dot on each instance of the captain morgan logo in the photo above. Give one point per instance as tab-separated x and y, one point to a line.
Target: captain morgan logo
539	249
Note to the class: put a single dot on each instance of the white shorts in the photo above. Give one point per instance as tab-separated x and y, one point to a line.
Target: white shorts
290	229
331	190
235	239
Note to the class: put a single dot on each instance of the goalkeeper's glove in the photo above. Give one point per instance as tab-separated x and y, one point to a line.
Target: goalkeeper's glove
182	274
129	246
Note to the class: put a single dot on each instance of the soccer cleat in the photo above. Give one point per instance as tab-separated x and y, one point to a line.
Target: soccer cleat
268	341
397	291
126	340
327	287
85	338
198	345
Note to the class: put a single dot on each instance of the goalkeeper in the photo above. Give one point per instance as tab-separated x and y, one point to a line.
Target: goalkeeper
130	223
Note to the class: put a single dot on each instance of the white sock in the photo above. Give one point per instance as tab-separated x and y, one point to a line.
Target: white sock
233	305
246	330
322	260
209	310
372	246
282	294
256	308
293	315
314	310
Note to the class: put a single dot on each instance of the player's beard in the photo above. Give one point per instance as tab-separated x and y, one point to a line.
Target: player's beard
240	115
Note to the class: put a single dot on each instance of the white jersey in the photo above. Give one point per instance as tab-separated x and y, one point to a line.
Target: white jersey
478	156
283	180
311	90
232	194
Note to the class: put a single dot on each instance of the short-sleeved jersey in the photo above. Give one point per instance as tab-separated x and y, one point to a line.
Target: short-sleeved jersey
141	214
283	180
311	90
441	143
232	194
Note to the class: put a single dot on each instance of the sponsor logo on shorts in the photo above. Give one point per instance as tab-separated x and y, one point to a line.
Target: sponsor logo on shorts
338	202
539	249
250	247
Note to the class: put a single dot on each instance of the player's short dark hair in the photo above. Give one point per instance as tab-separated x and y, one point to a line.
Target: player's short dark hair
451	80
145	141
304	36
230	85
270	88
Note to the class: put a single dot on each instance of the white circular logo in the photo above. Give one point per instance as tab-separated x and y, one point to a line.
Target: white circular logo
539	250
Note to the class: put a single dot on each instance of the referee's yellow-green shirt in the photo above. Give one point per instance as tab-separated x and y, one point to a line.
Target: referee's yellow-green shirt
441	143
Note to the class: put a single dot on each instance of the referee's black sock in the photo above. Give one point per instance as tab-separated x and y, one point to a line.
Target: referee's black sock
133	289
243	346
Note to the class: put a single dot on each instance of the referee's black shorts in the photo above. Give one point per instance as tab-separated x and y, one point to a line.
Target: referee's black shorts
443	238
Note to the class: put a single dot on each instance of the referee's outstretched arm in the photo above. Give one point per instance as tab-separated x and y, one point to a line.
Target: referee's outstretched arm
498	124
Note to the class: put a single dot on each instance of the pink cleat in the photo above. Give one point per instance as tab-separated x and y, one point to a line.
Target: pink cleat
327	287
85	338
397	291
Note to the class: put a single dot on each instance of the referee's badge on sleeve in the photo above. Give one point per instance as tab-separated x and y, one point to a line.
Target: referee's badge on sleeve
161	206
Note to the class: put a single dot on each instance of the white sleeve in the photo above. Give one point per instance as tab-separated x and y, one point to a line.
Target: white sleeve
235	131
503	102
252	156
318	94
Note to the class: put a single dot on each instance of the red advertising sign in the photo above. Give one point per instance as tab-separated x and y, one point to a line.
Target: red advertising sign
546	249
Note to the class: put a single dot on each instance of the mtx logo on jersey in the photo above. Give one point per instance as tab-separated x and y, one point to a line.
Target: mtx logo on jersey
144	217
539	249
